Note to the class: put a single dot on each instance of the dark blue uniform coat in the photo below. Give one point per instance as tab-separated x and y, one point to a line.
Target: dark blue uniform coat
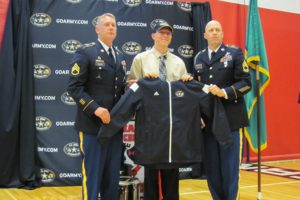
229	71
95	80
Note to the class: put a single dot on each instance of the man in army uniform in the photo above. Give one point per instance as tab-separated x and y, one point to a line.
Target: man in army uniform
97	81
226	73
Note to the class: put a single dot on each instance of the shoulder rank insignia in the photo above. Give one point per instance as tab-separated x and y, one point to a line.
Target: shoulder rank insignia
245	66
75	69
88	45
232	46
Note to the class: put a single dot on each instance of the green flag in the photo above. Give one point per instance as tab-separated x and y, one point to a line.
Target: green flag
256	55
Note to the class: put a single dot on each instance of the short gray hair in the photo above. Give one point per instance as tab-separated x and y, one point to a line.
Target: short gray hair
104	15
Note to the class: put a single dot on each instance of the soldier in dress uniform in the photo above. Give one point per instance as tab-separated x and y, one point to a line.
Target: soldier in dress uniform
97	80
226	73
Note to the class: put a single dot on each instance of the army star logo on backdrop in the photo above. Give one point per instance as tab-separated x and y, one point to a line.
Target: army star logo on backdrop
42	123
132	3
131	48
40	19
47	175
186	51
185	6
72	149
41	71
70	46
67	99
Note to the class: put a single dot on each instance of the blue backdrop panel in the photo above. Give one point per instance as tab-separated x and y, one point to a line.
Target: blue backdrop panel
58	29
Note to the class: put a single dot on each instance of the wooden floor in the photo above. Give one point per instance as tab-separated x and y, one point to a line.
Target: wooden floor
273	188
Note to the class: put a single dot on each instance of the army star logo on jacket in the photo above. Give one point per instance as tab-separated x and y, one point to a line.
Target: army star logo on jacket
75	69
179	93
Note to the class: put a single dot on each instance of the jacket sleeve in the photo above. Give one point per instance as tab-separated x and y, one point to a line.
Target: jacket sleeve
79	71
242	81
121	113
215	118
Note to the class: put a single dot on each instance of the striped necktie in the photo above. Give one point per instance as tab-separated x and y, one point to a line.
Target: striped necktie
162	67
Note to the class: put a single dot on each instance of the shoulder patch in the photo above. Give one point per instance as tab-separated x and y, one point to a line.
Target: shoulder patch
88	45
245	66
232	46
75	69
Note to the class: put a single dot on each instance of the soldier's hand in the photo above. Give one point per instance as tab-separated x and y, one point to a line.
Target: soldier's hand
103	114
202	123
151	75
187	77
215	90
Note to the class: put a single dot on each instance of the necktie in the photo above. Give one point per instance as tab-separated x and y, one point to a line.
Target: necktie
162	67
111	55
212	55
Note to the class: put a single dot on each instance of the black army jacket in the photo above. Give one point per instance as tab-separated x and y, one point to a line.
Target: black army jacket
167	126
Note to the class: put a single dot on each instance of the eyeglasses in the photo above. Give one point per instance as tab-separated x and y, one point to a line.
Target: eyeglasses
168	33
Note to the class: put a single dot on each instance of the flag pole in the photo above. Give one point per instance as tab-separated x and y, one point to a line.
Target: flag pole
259	195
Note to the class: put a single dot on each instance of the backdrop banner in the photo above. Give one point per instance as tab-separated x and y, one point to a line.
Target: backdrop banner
58	29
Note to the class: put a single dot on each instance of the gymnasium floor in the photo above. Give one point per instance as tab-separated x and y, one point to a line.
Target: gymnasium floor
280	181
